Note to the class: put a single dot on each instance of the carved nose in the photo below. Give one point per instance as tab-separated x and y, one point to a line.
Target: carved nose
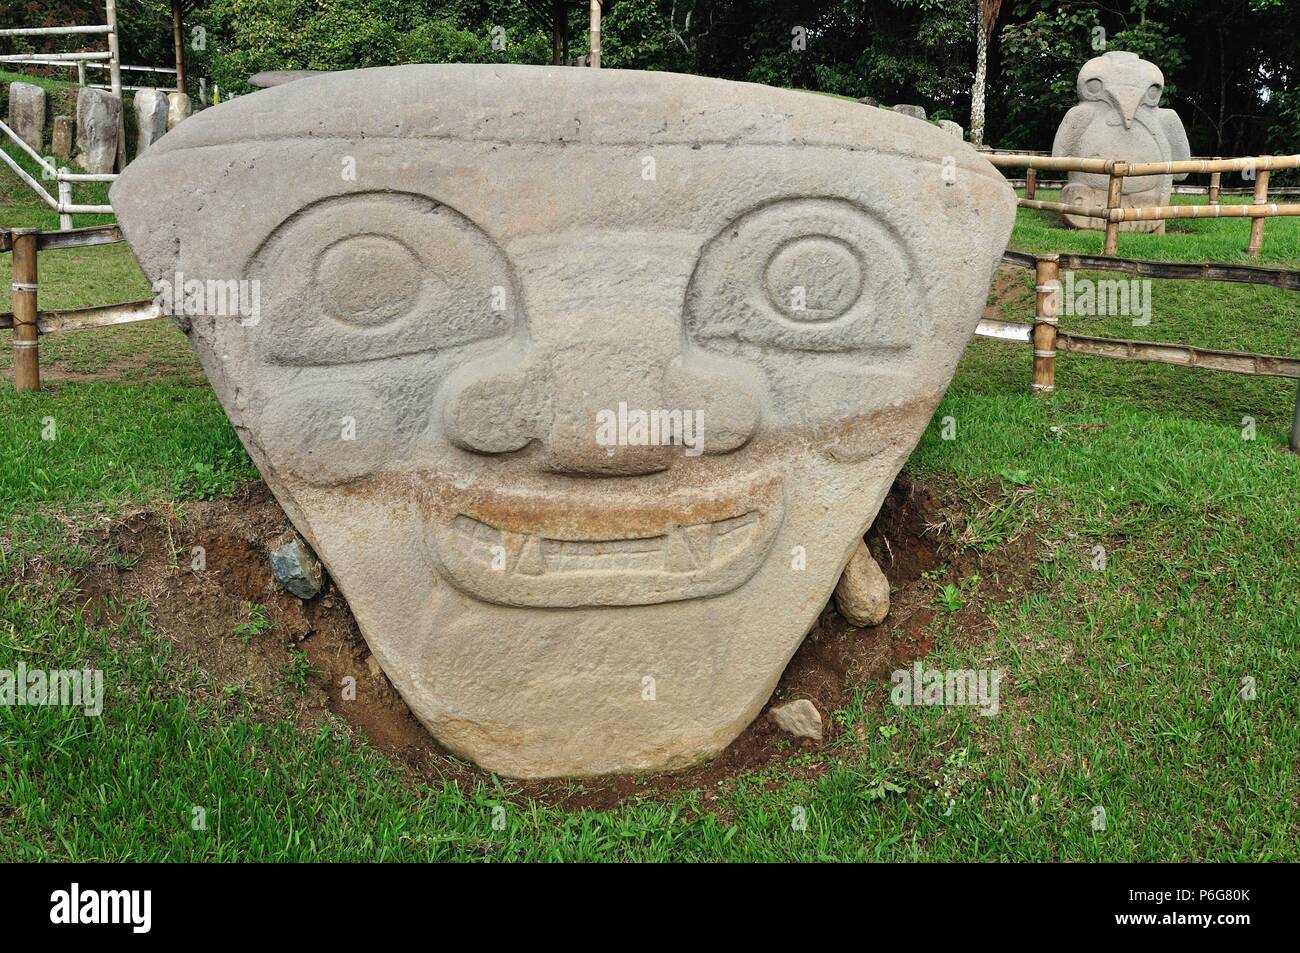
598	391
604	408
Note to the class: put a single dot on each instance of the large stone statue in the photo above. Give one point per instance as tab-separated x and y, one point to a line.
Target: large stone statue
584	384
1119	117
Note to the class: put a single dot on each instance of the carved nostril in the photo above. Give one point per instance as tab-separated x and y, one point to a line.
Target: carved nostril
495	410
722	396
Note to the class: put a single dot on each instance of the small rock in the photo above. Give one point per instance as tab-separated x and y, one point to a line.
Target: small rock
916	112
800	718
952	128
862	594
372	666
869	101
296	567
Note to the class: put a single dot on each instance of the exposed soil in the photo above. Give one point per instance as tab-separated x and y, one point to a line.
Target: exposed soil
200	612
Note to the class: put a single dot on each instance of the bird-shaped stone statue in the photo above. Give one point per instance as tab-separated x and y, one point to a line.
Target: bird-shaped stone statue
1119	117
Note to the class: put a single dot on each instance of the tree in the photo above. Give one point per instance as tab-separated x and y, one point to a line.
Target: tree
987	15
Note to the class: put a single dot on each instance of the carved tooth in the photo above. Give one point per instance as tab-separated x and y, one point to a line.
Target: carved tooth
512	543
677	553
530	557
700	538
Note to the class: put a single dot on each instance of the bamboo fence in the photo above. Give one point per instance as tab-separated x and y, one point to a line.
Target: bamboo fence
1116	171
1047	339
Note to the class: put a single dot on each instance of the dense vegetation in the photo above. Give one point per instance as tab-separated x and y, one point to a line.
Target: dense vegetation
1230	66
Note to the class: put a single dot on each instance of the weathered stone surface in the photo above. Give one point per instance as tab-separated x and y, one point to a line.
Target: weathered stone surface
1119	117
179	107
97	115
799	718
916	112
862	594
27	113
150	118
952	128
296	567
61	137
278	77
442	380
869	101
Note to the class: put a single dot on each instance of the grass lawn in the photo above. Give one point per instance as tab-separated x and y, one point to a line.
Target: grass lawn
1123	686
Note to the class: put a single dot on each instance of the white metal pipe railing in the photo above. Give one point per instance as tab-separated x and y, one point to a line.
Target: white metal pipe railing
57	57
40	159
54	30
65	176
50	200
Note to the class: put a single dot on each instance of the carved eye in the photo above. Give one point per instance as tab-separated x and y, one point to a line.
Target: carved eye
818	274
1153	94
1093	86
378	275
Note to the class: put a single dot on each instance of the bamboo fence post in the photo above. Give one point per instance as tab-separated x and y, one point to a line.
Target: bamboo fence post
27	360
594	58
178	40
65	199
1114	200
1043	335
1216	181
1031	182
115	79
1295	425
81	72
1257	224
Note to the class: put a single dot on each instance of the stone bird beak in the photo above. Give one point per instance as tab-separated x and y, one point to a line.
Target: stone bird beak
1126	100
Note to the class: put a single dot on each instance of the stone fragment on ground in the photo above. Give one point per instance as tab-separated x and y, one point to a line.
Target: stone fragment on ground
862	594
799	718
297	569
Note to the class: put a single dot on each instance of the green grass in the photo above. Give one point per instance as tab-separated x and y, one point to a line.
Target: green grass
1122	685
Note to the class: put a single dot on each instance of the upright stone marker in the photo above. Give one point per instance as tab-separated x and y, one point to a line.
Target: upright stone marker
179	108
150	118
1119	117
61	137
952	128
27	113
97	112
586	384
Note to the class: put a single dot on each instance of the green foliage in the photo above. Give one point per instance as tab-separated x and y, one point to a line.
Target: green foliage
1230	68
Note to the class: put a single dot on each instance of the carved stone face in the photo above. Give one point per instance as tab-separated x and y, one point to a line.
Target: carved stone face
473	282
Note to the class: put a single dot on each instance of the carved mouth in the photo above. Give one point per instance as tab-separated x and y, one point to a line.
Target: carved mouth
567	567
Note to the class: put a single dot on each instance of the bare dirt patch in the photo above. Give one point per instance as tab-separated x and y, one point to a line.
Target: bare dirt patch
205	614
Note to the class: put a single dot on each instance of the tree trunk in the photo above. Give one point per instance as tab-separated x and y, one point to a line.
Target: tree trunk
977	91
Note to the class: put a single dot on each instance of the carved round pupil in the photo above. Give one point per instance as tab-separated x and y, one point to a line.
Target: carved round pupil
817	278
1093	86
368	280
